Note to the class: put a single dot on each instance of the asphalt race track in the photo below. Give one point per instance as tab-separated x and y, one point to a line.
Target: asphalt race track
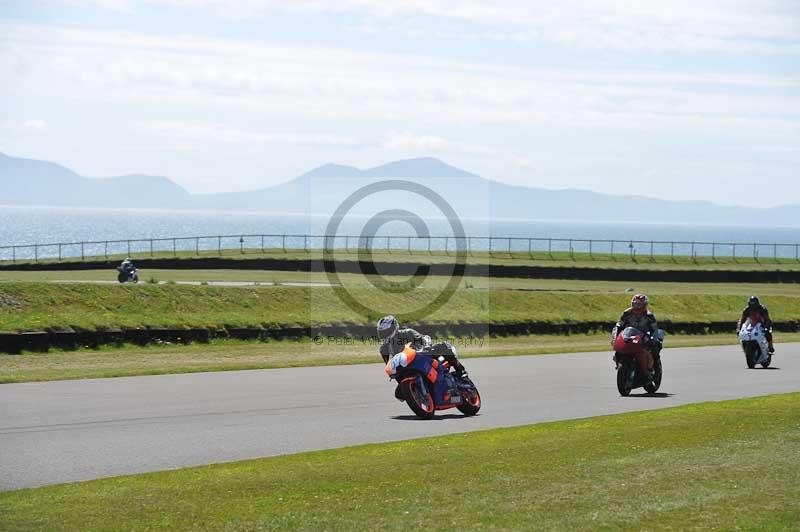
78	430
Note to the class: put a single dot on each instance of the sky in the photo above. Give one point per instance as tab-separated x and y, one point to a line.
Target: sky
677	99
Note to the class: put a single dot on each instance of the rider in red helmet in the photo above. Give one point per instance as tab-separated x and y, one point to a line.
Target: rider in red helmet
640	317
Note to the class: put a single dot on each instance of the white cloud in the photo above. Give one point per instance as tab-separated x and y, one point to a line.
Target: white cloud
731	26
214	133
38	126
336	84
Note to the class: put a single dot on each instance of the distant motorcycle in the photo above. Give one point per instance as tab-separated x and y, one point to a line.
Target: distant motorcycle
428	384
631	362
755	345
127	275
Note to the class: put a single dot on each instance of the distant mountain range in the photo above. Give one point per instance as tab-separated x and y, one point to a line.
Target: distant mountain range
322	190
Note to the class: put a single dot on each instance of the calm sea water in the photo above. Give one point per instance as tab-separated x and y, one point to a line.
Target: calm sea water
23	226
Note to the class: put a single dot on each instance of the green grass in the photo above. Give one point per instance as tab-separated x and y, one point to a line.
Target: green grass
228	355
518	256
37	306
268	277
721	466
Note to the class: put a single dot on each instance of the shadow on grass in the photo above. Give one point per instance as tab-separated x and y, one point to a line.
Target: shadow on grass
412	417
657	395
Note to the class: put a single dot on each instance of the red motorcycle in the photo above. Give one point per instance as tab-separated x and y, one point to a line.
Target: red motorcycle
631	361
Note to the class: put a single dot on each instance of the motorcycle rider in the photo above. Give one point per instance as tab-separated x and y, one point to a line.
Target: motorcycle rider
127	265
640	317
757	313
394	340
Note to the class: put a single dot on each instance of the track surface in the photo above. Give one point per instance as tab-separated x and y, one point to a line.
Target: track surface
78	430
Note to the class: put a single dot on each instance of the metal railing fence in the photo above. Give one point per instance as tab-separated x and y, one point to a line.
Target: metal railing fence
534	247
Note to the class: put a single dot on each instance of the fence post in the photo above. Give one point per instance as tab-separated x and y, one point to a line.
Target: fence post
530	248
490	246
550	247
714	251
151	247
83	256
693	257
219	245
797	252
571	250
283	243
305	243
429	245
13	253
447	245
197	246
388	244
241	244
174	248
652	256
755	252
612	250
59	253
672	251
106	248
590	249
262	244
129	249
35	253
775	252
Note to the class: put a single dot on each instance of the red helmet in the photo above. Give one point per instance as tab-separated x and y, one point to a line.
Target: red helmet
639	302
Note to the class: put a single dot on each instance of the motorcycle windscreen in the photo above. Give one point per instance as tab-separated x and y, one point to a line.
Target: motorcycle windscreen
632	334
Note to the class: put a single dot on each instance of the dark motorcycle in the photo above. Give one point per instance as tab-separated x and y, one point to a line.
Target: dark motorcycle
125	275
428	384
631	361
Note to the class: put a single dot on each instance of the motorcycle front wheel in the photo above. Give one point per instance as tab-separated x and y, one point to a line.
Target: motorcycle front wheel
418	396
750	354
624	379
472	401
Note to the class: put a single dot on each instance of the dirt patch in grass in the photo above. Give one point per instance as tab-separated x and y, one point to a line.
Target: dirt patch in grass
8	301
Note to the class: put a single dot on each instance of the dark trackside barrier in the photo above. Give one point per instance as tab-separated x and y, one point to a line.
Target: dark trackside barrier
42	341
442	269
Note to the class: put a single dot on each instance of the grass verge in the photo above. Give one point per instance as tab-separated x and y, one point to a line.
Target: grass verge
229	355
40	306
725	465
268	277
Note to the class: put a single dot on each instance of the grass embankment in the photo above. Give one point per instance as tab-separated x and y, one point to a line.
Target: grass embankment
726	465
37	306
228	355
267	277
501	256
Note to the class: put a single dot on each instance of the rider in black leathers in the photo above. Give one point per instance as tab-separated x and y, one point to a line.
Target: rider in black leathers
757	313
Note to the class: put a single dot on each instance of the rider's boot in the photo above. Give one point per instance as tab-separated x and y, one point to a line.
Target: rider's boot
771	348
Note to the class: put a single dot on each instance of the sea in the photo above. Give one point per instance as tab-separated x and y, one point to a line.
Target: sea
119	231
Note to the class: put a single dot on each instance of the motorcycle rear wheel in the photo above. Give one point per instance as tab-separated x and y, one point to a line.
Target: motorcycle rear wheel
472	402
624	383
418	397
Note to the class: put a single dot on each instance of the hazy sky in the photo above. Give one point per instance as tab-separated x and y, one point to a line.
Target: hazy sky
683	99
